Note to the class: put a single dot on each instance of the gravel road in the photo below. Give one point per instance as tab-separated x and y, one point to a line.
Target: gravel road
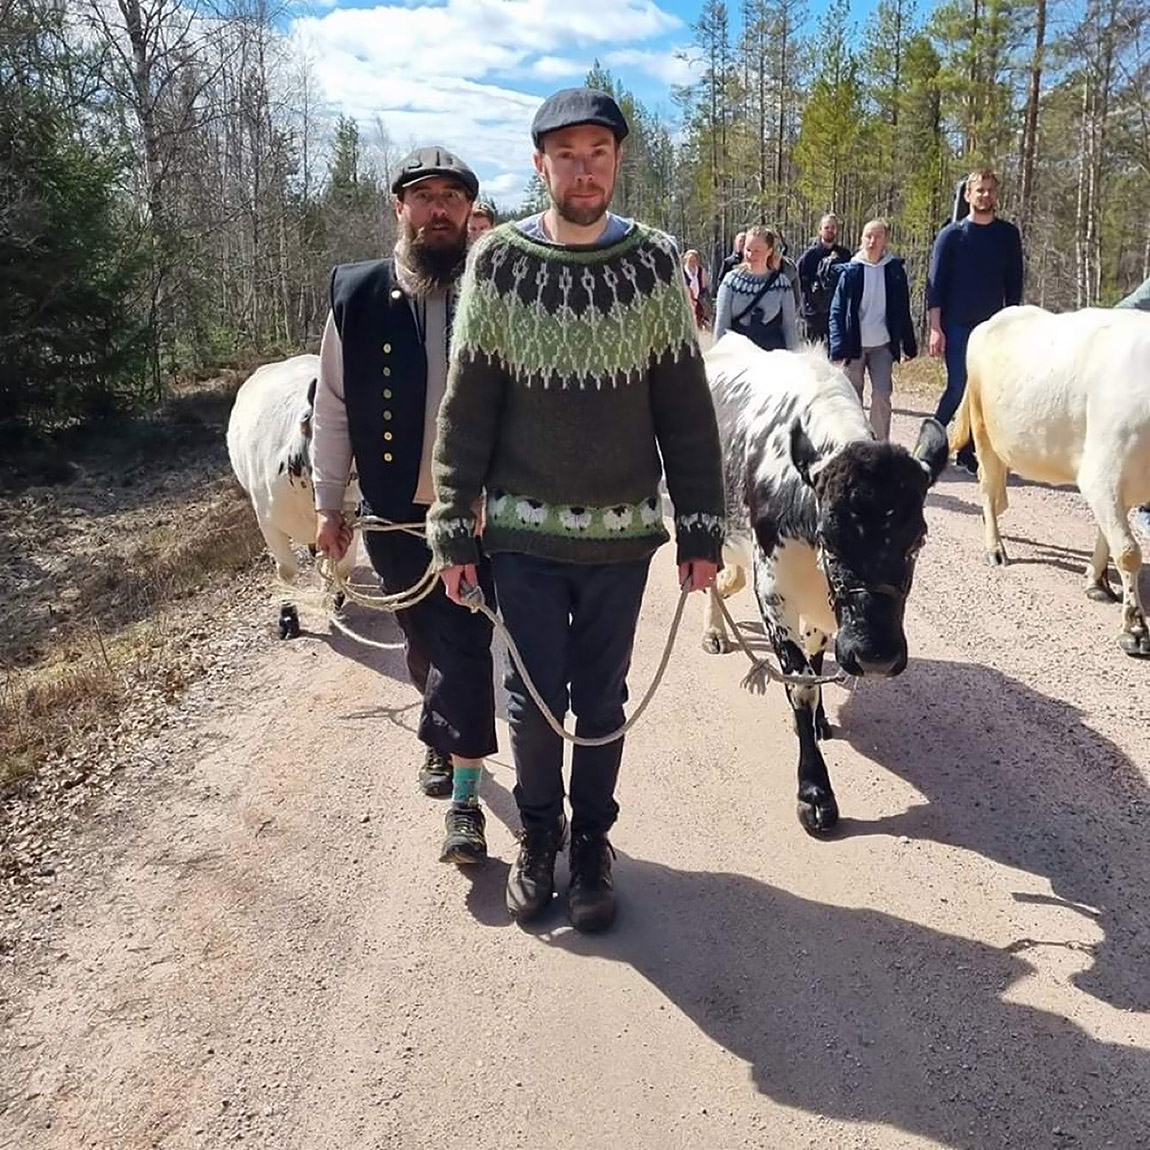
255	943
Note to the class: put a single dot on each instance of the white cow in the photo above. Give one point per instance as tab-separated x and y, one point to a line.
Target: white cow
269	444
1066	399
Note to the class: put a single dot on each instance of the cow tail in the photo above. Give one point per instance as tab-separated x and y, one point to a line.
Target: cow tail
960	434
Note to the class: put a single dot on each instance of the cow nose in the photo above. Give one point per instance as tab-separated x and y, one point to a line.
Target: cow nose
881	668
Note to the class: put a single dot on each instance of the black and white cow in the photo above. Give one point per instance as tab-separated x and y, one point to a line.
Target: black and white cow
830	522
269	445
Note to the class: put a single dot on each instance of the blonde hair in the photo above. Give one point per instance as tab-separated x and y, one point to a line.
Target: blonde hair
982	174
759	232
882	223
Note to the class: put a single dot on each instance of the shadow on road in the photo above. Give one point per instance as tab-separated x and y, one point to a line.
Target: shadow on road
1019	778
864	1017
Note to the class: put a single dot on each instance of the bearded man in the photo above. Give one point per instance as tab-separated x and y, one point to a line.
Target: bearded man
383	373
576	384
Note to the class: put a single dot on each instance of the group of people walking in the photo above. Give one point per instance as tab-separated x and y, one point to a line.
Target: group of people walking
522	404
858	306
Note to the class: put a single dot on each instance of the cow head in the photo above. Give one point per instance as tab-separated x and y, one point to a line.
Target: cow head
870	498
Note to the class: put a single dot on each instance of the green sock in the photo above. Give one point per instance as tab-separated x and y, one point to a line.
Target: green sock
465	791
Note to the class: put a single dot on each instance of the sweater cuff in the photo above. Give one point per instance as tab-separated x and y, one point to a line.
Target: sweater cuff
453	542
699	535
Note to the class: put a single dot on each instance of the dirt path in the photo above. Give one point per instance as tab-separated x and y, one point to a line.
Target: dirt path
256	944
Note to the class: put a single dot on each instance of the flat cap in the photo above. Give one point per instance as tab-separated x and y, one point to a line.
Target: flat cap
574	106
424	163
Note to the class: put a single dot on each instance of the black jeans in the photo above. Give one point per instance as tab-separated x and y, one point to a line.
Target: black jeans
574	624
448	648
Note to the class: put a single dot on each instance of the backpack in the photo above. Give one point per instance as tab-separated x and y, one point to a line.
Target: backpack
826	280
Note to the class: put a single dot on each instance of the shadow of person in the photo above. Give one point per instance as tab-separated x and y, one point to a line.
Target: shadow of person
1019	778
946	502
864	1017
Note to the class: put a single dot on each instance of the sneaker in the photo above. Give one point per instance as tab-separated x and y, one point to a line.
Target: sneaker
531	882
1142	519
436	775
465	842
591	897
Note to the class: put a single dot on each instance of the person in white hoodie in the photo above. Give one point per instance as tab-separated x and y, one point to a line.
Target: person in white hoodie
870	323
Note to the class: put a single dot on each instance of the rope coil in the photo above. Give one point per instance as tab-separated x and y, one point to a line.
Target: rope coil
755	679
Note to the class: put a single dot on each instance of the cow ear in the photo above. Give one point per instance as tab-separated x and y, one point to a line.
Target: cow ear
932	449
803	453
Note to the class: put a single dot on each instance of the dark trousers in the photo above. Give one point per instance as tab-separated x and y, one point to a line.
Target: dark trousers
448	648
574	624
956	339
818	328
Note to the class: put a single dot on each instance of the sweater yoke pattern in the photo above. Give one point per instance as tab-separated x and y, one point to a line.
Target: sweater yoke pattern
576	318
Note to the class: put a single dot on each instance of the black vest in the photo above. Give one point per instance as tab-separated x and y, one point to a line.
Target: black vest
384	383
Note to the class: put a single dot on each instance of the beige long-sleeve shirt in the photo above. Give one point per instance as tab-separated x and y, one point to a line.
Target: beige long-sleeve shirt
331	454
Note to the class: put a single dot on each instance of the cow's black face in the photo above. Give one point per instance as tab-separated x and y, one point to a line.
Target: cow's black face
870	499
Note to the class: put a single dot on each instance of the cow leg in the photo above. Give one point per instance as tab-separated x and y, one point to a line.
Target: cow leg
731	580
814	647
992	484
714	627
1097	577
286	569
817	809
1110	513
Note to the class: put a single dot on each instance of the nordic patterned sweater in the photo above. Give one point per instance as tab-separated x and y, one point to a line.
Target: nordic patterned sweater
575	380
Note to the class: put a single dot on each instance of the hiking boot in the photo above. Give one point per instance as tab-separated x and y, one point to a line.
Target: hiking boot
531	882
437	775
465	843
591	897
966	458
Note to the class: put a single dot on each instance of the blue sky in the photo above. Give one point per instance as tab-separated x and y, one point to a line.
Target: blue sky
469	74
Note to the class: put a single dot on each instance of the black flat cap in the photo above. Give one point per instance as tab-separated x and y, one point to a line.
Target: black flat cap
424	163
578	106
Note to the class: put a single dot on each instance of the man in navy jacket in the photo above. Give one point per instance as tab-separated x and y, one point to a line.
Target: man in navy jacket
975	271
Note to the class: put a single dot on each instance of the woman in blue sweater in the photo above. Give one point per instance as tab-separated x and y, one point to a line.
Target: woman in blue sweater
870	324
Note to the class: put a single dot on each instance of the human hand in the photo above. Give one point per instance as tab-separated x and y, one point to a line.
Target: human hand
453	577
697	574
333	534
937	346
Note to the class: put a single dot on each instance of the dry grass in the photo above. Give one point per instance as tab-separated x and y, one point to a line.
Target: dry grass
923	378
125	638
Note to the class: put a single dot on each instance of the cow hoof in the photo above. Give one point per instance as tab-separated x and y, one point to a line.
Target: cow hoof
823	728
818	817
715	644
289	623
1137	646
997	557
1101	593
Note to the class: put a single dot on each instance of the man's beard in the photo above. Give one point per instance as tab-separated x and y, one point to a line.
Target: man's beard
428	260
583	213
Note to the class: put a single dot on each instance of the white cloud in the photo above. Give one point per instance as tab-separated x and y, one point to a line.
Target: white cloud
558	68
668	66
448	72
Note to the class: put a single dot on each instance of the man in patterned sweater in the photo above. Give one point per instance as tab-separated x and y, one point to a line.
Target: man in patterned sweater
575	381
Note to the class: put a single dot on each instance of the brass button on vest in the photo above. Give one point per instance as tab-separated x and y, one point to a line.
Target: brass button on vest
387	349
388	436
387	371
387	415
387	457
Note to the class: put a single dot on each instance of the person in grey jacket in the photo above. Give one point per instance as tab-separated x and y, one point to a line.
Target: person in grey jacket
757	299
